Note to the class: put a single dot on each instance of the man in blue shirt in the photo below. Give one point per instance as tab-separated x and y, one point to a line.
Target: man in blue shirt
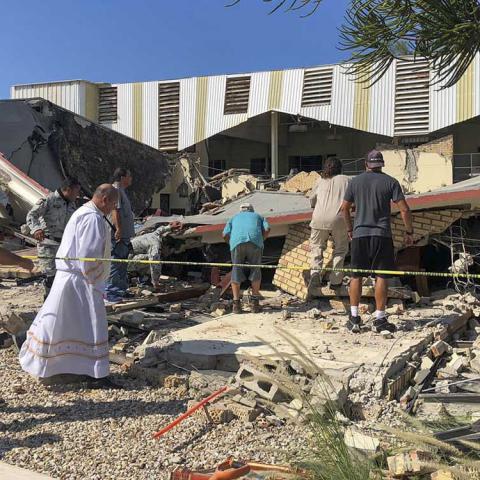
245	233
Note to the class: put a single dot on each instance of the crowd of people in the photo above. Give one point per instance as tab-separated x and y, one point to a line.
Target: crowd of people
70	335
369	236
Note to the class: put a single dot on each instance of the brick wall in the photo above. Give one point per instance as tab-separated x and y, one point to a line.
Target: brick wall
443	146
296	249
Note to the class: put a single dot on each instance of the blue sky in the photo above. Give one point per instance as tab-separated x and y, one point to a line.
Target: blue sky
139	40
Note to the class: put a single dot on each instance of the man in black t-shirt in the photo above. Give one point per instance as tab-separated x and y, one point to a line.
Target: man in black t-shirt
372	246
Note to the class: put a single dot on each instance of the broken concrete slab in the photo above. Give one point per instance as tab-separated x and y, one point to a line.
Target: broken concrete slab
225	342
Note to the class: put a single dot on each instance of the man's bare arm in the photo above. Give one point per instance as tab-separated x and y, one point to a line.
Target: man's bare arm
117	223
346	209
407	221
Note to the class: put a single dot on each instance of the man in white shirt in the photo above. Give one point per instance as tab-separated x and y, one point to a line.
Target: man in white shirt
327	221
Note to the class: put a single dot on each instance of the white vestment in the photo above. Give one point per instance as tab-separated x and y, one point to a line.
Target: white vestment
70	332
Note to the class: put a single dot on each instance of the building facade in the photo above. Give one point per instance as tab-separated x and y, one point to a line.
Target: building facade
273	122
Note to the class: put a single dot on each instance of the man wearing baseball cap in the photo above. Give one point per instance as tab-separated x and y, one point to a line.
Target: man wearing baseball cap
372	246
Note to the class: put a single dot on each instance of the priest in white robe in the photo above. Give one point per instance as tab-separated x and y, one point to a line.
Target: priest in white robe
70	333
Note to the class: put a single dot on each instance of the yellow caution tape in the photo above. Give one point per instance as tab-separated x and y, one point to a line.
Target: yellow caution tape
271	267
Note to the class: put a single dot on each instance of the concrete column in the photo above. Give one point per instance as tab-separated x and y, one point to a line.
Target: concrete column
274	144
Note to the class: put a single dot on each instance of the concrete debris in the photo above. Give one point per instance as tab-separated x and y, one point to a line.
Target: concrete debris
358	440
261	383
409	463
442	475
439	348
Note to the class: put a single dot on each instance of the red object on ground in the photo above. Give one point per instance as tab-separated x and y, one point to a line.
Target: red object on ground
189	412
231	470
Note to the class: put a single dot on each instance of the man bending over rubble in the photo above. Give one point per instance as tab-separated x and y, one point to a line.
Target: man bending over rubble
149	246
70	334
245	233
371	236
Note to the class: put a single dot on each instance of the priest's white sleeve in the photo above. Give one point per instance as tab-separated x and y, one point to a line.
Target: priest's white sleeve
91	244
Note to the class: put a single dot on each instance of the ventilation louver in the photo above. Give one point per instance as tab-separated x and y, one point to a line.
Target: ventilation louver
412	97
317	87
107	104
168	115
237	93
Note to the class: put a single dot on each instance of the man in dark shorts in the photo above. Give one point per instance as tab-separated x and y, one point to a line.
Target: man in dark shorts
372	246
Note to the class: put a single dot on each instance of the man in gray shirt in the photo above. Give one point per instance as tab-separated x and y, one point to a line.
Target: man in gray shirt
123	222
372	246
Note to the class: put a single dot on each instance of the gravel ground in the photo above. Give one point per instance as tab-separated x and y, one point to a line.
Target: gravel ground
78	433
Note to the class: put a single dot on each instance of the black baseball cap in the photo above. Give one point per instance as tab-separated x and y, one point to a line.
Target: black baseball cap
375	159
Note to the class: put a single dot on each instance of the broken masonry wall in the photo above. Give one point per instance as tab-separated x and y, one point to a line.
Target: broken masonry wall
423	168
296	249
91	153
48	142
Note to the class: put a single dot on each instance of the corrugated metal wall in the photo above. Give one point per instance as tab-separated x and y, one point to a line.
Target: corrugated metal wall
69	95
188	93
150	114
343	97
382	104
202	103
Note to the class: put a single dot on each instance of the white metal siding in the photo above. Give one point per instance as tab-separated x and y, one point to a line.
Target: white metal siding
124	122
292	91
382	104
258	93
68	95
188	92
150	114
443	107
343	98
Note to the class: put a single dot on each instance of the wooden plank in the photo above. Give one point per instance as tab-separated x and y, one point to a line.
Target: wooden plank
184	294
133	304
450	397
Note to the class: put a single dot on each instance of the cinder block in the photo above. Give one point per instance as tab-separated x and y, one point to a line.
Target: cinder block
260	383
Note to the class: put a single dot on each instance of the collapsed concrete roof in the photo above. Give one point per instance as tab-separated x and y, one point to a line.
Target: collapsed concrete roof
48	142
285	208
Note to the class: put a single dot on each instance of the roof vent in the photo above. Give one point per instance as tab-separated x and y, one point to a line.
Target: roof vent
168	116
107	104
412	97
317	86
237	93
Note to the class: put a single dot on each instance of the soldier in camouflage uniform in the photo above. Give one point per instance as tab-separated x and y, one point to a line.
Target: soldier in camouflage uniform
47	221
149	247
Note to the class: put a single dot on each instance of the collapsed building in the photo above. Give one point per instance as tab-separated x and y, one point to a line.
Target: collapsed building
250	128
